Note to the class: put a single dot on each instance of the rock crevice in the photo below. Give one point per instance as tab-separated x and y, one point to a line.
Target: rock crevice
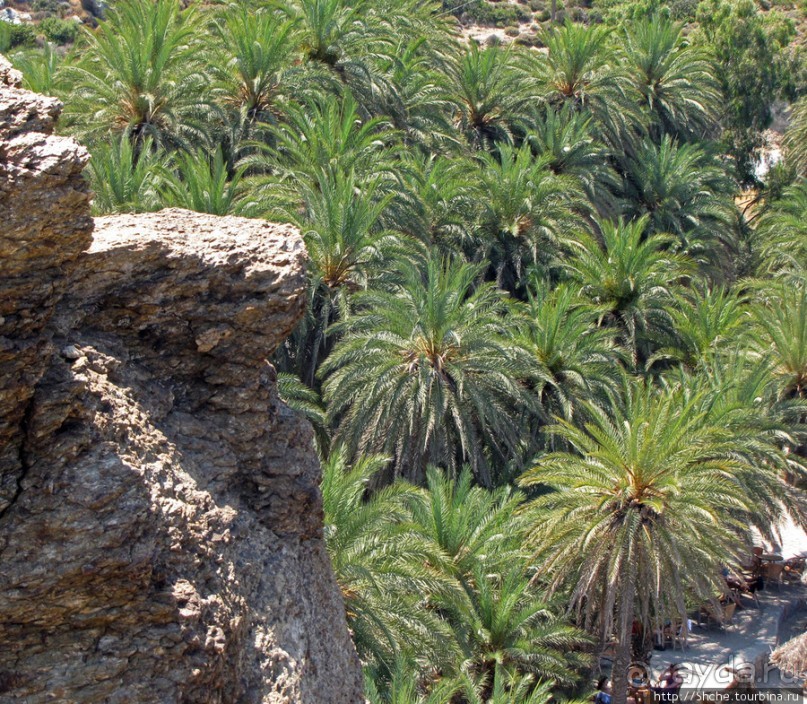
160	516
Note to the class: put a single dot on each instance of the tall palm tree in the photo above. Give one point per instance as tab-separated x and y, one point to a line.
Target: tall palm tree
504	622
582	71
418	103
426	373
632	279
322	139
780	238
685	193
564	140
782	319
708	322
386	574
469	524
528	214
674	79
499	618
439	202
572	361
348	40
142	73
346	244
647	506
254	61
795	141
494	92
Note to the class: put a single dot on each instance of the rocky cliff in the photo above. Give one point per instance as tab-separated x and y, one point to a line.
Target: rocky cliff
160	517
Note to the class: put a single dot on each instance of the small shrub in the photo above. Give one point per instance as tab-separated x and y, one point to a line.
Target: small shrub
51	6
59	31
531	41
21	35
537	5
500	15
511	31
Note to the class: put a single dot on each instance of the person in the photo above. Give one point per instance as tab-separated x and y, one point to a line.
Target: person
669	683
603	695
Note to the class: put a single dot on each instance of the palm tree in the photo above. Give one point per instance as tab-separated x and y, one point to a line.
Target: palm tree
348	40
707	322
795	141
254	63
782	318
631	279
674	79
469	524
405	686
582	72
684	193
572	360
320	140
41	69
123	183
306	402
651	485
202	183
418	103
780	239
528	214
346	244
427	368
502	621
142	74
494	92
563	140
498	616
386	574
439	202
505	688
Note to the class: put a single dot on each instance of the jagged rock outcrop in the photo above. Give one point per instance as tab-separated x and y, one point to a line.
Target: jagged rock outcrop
160	518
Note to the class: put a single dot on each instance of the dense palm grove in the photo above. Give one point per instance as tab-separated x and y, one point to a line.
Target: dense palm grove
556	365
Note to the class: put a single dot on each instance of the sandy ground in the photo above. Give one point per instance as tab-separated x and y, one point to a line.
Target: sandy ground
747	643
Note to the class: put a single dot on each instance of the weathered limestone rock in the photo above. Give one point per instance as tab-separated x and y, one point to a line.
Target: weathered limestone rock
44	226
160	518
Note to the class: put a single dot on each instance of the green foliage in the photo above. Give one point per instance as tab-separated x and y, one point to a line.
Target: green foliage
203	184
657	481
753	68
59	31
14	36
631	279
498	14
40	69
141	74
122	181
428	364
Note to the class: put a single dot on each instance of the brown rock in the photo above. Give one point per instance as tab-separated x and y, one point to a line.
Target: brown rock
160	517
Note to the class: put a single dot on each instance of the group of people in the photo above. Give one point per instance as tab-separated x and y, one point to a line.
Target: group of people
666	689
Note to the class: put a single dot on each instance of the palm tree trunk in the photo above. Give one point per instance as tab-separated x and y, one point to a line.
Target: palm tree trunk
619	676
553	13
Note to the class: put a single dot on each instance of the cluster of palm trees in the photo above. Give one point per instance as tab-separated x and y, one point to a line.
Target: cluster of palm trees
527	268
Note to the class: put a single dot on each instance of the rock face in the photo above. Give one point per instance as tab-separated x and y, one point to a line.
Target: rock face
160	517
